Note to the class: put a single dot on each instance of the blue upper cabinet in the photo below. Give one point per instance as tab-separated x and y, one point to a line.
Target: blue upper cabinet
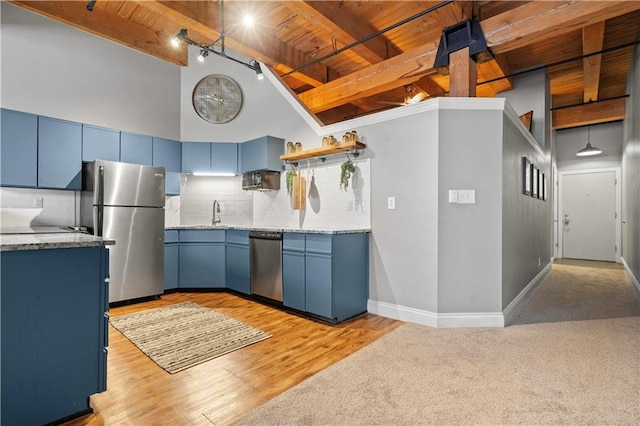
196	157
59	154
136	149
18	149
214	158
100	144
224	158
261	154
167	154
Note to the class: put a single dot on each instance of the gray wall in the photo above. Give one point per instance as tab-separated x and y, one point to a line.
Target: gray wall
607	137
531	93
469	243
526	240
51	69
264	111
404	248
631	172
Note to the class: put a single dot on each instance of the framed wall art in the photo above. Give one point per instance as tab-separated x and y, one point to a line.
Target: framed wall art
534	179
526	176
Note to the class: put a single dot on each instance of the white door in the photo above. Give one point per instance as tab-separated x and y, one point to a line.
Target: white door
589	216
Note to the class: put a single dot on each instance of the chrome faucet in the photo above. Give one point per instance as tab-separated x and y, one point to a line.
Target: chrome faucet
216	209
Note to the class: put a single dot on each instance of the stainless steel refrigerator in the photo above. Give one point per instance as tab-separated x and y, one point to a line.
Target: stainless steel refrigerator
125	202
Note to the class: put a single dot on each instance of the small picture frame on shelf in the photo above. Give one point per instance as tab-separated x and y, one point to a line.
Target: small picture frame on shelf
534	181
526	176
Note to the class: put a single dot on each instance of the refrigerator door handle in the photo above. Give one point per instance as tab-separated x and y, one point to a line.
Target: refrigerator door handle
100	218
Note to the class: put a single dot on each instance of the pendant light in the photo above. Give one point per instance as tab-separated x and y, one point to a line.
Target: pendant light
589	150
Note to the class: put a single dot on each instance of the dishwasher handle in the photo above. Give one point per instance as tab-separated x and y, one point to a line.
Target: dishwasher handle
265	235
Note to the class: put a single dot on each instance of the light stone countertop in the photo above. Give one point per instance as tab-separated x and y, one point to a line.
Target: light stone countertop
14	242
249	228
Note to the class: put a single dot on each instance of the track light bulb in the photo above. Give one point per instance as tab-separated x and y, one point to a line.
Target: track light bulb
248	20
203	54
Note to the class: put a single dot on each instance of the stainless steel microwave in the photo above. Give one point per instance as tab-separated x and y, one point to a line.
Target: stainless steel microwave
261	180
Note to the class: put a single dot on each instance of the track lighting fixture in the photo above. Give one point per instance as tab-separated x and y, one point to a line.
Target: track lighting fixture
90	5
182	36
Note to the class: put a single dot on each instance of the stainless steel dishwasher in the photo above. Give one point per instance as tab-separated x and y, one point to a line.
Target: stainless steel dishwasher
265	252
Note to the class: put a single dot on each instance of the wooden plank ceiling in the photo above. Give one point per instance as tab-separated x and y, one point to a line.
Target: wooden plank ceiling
393	67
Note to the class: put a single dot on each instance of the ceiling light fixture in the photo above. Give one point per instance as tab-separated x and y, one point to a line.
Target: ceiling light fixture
182	36
589	150
248	20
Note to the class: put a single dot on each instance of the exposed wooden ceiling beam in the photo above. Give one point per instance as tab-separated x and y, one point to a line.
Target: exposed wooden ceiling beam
203	17
541	20
335	19
504	32
109	26
591	113
394	72
592	41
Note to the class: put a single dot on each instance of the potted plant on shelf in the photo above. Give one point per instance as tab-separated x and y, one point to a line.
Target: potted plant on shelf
346	169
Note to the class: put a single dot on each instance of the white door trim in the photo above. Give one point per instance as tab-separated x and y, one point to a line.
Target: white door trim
618	206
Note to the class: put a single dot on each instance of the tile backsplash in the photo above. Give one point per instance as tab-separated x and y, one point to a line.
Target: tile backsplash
19	207
199	192
327	206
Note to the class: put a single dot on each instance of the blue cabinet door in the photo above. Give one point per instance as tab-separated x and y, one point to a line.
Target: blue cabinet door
59	154
238	268
100	144
196	157
136	149
202	265
171	262
224	158
261	154
319	285
167	154
172	183
293	280
52	348
18	149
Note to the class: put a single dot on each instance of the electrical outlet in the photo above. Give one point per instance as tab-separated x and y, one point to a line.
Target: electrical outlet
466	196
38	203
391	203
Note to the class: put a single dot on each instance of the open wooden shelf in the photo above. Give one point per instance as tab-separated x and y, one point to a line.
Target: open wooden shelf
323	151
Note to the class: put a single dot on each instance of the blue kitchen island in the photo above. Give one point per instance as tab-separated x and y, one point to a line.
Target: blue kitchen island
54	298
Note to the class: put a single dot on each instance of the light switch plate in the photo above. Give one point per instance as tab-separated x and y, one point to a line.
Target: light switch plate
453	196
391	203
466	196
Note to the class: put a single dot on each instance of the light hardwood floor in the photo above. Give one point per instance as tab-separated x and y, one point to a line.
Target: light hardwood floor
223	389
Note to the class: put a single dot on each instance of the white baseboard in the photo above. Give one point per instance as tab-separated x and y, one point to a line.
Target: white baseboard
432	319
535	282
632	277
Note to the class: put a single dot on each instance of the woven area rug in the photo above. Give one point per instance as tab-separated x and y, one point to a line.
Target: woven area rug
180	336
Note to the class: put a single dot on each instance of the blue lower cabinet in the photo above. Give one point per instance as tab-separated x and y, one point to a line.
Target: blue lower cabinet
293	280
202	265
238	268
293	271
237	261
53	324
319	285
336	275
171	262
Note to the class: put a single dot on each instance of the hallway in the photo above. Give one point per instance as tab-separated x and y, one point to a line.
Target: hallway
578	290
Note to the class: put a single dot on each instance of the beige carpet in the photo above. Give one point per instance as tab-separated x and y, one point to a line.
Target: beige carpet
180	336
579	290
574	372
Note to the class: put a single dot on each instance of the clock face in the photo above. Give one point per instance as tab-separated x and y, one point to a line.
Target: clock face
217	98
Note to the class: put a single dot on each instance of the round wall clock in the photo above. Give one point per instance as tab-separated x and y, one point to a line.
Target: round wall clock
217	98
